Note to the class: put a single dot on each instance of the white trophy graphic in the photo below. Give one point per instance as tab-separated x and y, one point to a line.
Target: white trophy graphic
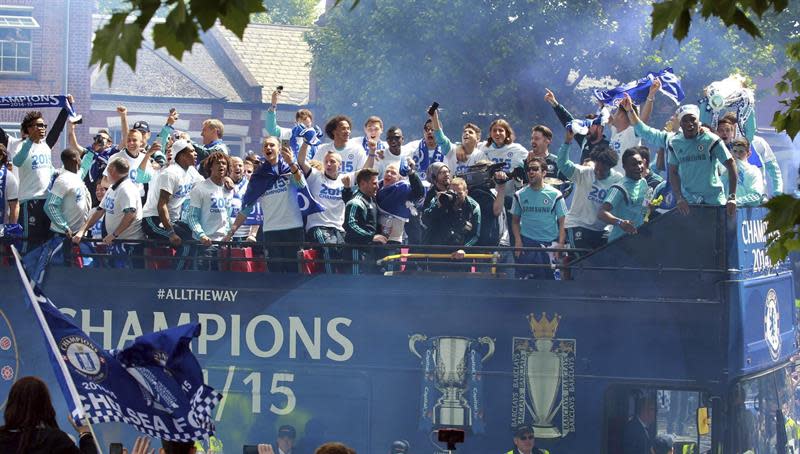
450	361
543	373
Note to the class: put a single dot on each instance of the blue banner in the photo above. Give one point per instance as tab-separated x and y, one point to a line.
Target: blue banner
639	89
155	385
39	101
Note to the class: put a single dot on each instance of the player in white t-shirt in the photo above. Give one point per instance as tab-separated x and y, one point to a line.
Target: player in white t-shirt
459	156
208	216
169	193
373	128
69	201
33	162
500	146
592	183
283	221
121	208
353	156
325	227
249	230
134	154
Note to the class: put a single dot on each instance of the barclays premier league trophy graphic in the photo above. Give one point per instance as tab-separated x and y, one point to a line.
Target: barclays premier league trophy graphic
544	379
452	368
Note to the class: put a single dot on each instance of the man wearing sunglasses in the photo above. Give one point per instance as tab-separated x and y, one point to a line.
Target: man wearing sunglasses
525	442
35	170
538	214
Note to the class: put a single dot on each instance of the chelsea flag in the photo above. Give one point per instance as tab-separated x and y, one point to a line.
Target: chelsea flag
155	384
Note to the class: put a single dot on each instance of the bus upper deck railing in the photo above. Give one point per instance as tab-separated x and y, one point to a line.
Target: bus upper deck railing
311	258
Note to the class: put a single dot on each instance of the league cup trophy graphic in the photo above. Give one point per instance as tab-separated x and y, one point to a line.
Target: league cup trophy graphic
543	367
451	360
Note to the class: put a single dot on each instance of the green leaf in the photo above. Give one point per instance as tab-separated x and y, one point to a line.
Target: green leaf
682	25
235	15
664	14
178	33
116	39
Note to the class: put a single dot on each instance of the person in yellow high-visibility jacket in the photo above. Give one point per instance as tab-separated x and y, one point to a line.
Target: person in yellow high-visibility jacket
525	442
214	446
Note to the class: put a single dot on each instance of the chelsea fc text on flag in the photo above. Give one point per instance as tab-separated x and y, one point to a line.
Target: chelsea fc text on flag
155	384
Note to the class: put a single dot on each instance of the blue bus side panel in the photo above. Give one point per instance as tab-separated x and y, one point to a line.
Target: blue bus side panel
339	345
767	320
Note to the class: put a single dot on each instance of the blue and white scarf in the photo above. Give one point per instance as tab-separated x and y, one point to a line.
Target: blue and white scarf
39	101
423	158
393	199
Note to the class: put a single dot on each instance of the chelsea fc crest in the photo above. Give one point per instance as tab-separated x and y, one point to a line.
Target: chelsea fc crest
772	330
83	358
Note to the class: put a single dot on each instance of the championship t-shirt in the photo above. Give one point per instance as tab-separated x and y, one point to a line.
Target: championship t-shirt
178	183
329	194
75	200
133	167
214	202
353	156
122	197
34	174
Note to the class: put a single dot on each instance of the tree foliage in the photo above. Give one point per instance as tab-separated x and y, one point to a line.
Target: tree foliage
287	12
483	58
677	14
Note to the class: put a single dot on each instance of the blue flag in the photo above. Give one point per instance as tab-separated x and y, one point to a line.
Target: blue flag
307	203
266	177
639	89
155	385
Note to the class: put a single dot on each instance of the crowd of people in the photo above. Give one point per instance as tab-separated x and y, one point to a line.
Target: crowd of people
360	198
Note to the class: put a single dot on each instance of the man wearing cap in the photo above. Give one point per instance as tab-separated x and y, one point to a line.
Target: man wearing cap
692	155
588	142
525	442
286	437
166	197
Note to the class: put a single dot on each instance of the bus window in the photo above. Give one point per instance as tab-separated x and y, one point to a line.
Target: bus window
636	415
760	406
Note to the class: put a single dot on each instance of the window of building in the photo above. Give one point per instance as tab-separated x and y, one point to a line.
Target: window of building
16	47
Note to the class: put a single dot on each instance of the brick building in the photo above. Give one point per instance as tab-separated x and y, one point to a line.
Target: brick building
44	49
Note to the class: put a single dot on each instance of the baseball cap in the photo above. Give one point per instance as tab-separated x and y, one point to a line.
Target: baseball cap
688	109
142	126
178	146
399	447
287	431
522	430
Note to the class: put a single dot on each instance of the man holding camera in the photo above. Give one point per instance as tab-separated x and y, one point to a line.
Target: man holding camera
453	218
538	214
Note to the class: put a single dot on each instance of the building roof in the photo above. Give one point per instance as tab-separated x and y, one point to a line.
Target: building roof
158	74
267	50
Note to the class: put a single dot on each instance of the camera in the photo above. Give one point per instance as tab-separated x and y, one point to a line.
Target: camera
481	175
279	88
447	199
451	437
433	108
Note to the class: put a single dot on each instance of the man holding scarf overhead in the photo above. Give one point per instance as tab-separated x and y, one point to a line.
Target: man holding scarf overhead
274	185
